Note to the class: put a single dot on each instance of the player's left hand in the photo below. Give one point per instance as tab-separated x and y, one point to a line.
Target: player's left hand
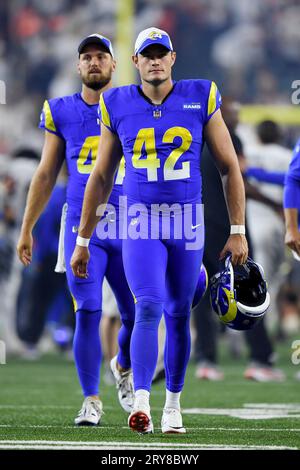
79	261
238	247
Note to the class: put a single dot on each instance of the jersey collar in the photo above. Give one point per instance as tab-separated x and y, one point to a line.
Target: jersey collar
142	94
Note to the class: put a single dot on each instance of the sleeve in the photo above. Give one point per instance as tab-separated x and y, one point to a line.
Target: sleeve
272	177
291	196
214	101
47	120
105	114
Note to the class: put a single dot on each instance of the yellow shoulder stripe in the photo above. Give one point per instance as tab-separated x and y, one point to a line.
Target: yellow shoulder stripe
49	123
104	113
212	99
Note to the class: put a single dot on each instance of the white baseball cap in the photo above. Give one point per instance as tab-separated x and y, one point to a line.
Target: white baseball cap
151	36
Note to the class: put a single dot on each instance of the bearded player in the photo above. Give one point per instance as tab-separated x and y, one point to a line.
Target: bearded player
71	127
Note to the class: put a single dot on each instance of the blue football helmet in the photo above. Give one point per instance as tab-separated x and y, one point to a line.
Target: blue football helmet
239	294
201	286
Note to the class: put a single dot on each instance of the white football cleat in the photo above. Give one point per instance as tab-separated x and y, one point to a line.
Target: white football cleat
124	385
90	413
171	422
140	421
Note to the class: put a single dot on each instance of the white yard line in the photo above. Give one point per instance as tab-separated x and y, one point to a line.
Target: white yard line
72	445
194	428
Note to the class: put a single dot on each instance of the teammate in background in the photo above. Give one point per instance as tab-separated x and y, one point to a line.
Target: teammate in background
265	224
72	133
160	125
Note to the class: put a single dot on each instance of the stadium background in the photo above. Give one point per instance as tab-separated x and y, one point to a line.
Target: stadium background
251	49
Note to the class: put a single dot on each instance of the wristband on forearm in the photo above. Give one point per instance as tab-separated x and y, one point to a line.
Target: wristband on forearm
237	229
80	241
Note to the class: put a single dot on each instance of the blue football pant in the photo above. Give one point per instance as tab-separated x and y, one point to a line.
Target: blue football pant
162	275
105	260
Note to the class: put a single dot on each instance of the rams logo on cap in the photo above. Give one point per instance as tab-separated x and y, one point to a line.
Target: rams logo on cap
155	35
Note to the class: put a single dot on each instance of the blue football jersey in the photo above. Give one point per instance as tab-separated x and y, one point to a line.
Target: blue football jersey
291	196
294	168
77	123
161	143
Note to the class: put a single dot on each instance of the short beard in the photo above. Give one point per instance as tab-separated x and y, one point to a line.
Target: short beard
96	85
156	82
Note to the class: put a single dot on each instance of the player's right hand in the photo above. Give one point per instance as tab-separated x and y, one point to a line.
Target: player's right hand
24	248
238	247
292	240
79	261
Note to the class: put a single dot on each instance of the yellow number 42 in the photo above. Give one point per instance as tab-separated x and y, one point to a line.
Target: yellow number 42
146	137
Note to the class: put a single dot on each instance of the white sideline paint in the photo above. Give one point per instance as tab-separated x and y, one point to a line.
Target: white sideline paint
72	445
275	406
251	411
195	428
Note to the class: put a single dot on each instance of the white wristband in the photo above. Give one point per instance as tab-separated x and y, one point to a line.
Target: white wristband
82	241
237	229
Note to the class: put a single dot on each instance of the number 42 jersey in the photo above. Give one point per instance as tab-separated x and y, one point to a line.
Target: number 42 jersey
161	143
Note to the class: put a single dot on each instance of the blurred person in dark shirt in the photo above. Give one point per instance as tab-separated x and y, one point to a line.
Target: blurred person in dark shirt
217	230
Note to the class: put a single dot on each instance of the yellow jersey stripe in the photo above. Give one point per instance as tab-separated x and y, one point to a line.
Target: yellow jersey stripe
104	113
212	99
49	123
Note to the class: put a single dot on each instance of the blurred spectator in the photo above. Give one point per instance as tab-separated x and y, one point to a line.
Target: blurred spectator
41	288
216	234
17	172
266	226
249	48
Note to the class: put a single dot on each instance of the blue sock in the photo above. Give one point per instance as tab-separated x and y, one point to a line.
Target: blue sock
87	350
177	349
144	343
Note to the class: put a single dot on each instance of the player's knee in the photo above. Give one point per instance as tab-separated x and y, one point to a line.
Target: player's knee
178	308
149	313
89	304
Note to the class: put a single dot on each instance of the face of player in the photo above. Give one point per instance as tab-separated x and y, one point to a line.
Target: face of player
95	66
155	64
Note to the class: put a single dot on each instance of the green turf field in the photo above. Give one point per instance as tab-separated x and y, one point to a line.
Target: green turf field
38	402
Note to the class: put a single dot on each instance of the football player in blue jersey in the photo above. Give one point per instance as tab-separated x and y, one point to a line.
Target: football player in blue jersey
159	126
291	203
72	128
